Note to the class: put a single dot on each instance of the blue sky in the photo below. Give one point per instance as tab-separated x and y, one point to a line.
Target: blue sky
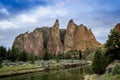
19	16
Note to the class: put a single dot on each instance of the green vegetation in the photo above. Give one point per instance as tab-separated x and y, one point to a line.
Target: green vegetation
47	55
116	69
0	62
72	54
3	52
111	53
113	46
15	54
15	68
99	62
109	77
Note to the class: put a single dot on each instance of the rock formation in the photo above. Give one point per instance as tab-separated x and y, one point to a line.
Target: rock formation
30	42
54	44
69	36
84	39
117	27
57	40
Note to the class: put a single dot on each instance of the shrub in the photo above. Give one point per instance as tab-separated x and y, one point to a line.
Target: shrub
113	46
47	55
99	62
116	69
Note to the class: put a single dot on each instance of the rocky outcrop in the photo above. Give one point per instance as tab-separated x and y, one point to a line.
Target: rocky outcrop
117	27
84	39
54	44
30	42
79	38
57	40
69	36
45	33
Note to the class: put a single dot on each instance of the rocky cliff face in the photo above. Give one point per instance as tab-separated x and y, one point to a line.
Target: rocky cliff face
84	39
69	36
117	27
30	42
57	40
54	44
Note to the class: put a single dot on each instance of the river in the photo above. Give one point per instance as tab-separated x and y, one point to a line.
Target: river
64	74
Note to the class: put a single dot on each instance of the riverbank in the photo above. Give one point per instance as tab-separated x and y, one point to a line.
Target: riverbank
17	68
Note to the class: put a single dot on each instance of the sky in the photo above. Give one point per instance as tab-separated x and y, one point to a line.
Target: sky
19	16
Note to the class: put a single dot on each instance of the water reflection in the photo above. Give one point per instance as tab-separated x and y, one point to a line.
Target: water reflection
68	74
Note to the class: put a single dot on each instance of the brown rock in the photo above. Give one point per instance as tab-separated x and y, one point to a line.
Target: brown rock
54	44
117	27
30	42
69	36
84	40
57	40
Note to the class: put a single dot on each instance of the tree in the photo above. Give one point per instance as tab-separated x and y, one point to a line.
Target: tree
99	62
3	53
80	54
14	54
46	55
0	62
68	55
23	56
113	46
32	57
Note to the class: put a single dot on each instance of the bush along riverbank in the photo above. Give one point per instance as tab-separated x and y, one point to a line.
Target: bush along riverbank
15	68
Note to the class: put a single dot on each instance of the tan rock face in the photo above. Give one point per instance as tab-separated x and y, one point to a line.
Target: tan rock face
84	39
69	36
57	40
30	42
54	44
117	27
81	38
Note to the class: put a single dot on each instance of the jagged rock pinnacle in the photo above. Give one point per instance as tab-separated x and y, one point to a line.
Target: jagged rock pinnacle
117	27
56	23
71	20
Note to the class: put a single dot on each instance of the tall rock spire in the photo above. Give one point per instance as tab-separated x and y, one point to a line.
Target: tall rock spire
69	36
54	44
56	23
117	27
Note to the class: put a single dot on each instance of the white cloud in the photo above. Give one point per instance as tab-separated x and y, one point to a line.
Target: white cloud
4	11
7	24
34	16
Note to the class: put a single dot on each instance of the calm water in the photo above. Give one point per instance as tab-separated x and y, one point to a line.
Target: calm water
67	74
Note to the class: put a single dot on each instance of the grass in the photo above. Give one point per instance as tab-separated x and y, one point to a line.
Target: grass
20	67
12	70
109	76
90	56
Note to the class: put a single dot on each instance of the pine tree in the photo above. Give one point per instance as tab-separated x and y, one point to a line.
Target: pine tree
32	57
14	54
99	62
80	54
113	46
46	55
23	56
0	62
3	53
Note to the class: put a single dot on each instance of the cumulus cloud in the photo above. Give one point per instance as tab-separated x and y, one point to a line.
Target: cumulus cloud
34	16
